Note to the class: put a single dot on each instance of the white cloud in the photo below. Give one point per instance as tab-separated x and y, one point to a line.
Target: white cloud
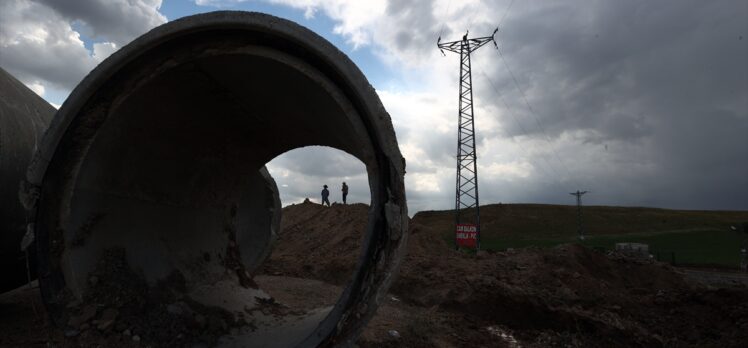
300	174
37	87
218	3
309	12
102	50
118	21
29	29
43	29
511	170
355	18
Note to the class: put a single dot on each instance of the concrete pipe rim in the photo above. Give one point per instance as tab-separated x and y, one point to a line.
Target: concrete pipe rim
384	245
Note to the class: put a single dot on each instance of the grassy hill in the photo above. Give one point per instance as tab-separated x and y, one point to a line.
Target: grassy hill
685	236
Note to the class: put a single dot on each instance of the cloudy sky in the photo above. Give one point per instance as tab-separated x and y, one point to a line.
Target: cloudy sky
642	103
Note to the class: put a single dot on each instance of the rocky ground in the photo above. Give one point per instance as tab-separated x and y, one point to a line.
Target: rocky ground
568	296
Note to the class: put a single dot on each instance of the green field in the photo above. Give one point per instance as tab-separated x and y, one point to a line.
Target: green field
710	247
702	238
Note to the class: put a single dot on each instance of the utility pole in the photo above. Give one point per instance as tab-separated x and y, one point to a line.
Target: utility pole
467	225
579	212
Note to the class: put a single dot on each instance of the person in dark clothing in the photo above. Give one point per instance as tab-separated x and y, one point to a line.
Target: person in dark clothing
345	192
325	194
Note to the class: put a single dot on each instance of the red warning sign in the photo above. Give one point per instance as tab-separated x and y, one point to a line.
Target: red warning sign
467	235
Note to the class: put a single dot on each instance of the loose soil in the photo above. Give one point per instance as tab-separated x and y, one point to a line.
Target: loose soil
567	296
557	297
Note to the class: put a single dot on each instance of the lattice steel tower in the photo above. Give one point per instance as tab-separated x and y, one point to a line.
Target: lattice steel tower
580	226
466	189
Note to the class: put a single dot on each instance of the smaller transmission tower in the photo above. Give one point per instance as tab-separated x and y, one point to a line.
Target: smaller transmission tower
579	212
467	225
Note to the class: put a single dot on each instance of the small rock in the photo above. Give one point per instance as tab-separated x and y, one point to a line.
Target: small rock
86	315
393	333
104	324
109	314
136	338
85	326
576	275
71	333
93	280
200	319
73	304
174	309
393	298
692	335
120	327
217	324
127	332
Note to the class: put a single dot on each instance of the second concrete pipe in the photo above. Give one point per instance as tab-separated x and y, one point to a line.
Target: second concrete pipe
158	154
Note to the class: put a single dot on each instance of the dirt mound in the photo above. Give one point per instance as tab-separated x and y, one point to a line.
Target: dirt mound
568	296
319	242
564	296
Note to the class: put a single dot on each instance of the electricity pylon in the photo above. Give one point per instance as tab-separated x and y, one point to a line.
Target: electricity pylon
466	188
579	212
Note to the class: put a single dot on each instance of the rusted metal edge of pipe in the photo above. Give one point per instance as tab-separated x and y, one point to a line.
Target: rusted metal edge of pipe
222	92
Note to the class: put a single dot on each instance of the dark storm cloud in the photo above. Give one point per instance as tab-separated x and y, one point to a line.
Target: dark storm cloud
416	34
645	103
663	83
591	66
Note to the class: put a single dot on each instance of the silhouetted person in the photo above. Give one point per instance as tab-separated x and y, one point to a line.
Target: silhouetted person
325	194
345	192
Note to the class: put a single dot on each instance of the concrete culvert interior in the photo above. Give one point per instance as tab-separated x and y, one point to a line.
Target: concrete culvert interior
155	208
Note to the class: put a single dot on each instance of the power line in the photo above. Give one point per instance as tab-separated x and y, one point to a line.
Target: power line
525	133
506	12
537	120
446	13
475	15
519	124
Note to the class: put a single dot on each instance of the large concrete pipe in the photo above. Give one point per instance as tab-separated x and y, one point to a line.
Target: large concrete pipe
24	117
150	169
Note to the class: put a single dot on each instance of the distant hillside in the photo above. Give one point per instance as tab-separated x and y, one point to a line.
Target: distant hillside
545	220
